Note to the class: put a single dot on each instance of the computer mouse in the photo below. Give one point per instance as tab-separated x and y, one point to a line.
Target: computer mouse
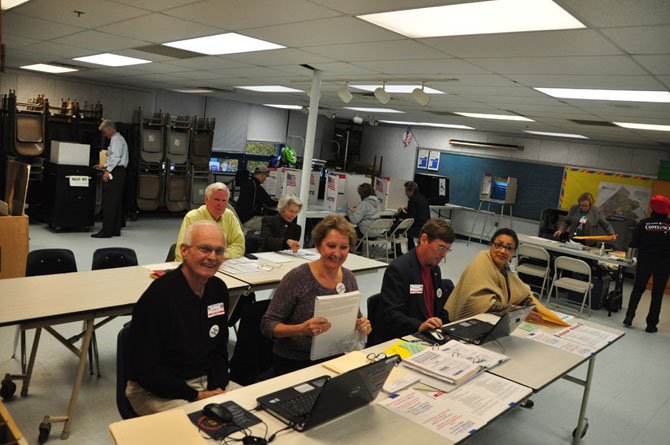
434	335
218	412
250	256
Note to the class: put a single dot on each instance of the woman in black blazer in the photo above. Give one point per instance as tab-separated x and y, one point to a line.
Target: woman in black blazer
280	231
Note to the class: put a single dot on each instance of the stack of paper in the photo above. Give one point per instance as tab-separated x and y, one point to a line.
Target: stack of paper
442	365
304	254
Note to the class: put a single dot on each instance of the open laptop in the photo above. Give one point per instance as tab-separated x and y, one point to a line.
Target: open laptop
319	400
478	332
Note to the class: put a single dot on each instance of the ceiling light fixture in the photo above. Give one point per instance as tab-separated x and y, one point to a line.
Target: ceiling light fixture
474	144
228	43
652	127
357	120
382	95
427	124
48	68
108	59
269	89
9	4
560	135
420	96
621	95
193	90
502	117
374	110
402	89
344	94
284	107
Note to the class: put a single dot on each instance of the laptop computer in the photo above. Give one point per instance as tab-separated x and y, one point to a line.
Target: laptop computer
479	332
319	400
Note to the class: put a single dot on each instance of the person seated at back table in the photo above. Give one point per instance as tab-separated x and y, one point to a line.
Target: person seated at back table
487	283
290	320
583	219
253	197
216	210
280	231
178	348
412	297
366	212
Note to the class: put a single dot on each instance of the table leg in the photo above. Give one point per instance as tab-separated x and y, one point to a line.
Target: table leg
583	423
80	374
28	371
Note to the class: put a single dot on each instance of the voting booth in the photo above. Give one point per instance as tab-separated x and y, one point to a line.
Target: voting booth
391	193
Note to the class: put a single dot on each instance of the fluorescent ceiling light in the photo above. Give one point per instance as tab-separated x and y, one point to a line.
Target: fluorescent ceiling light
108	59
622	95
427	124
9	4
560	135
487	17
652	127
271	89
228	43
502	117
285	107
397	88
46	68
193	90
374	110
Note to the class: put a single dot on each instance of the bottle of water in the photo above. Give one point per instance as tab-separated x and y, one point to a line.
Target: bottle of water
602	249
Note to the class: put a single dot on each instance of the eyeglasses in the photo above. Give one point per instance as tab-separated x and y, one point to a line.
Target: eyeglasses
508	247
444	249
207	250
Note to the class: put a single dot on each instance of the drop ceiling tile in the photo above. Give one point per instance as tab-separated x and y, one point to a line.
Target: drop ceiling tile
405	49
436	67
642	40
155	5
603	65
357	7
13	41
93	14
206	63
323	32
237	15
283	56
609	13
656	64
52	51
613	81
99	41
159	28
35	28
582	42
335	69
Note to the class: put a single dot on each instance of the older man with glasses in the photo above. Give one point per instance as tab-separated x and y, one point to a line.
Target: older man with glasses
178	349
412	295
488	284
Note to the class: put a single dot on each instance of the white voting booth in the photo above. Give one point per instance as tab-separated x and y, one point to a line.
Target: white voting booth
342	191
391	192
286	181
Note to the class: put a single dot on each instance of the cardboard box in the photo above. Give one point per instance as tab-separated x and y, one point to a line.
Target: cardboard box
70	153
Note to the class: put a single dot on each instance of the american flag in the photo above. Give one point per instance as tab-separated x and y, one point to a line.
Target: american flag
290	180
408	137
331	183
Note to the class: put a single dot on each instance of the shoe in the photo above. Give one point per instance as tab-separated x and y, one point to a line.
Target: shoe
651	329
101	234
528	404
117	234
628	321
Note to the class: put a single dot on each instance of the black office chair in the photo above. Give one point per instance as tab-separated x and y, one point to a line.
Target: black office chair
171	255
375	316
447	287
112	257
123	405
252	357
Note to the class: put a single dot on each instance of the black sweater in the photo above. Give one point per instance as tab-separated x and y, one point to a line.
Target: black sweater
275	231
252	198
176	336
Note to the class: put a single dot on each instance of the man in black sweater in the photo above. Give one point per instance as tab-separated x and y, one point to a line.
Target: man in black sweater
417	208
652	239
178	350
252	199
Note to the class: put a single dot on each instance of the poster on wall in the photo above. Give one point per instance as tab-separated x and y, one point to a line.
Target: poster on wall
623	200
617	194
422	159
434	160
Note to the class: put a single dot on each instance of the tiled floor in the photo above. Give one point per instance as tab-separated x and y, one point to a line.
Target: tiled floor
629	401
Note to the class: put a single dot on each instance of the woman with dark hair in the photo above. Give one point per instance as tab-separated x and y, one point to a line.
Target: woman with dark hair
488	284
290	320
366	212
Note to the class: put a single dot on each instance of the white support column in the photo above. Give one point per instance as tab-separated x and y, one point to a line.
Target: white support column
308	155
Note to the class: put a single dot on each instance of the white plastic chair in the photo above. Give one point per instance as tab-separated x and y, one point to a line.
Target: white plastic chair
381	227
565	263
399	234
534	270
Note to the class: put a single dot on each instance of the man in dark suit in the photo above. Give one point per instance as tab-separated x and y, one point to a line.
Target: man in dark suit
412	298
417	208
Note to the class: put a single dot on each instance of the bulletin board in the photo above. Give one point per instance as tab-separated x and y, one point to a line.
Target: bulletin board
539	185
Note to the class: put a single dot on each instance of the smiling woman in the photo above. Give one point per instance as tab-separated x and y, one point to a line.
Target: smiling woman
290	319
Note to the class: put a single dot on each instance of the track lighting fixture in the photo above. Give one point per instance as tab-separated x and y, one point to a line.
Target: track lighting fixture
344	94
381	94
420	96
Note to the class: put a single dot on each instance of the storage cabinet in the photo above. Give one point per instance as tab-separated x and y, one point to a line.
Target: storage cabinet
71	191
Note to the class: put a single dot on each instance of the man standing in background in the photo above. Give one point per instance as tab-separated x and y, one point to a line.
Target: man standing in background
114	179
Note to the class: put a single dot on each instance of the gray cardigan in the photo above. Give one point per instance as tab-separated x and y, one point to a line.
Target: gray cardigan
594	219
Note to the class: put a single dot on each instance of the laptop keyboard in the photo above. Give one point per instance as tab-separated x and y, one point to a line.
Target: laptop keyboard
298	407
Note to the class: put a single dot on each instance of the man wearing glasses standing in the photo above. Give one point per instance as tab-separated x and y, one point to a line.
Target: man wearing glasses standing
488	284
412	295
178	348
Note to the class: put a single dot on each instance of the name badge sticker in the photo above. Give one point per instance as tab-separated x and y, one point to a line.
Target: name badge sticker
216	309
439	293
416	288
214	331
340	288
